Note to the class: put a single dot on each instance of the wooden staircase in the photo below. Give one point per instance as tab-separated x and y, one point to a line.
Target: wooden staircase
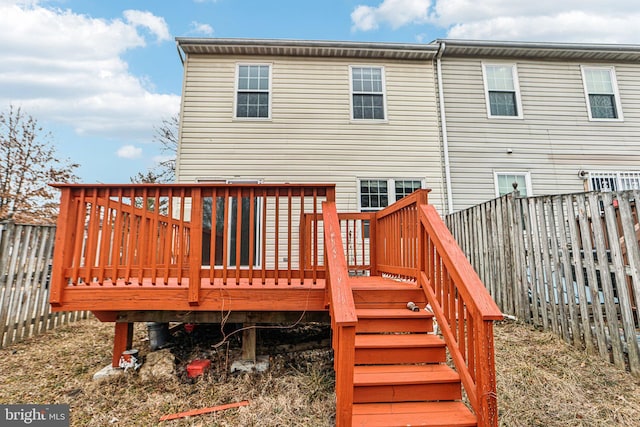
400	377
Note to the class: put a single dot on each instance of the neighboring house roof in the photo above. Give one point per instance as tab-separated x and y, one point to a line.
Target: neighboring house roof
538	50
307	48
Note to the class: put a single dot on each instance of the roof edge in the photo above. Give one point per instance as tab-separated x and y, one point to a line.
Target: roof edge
609	47
287	47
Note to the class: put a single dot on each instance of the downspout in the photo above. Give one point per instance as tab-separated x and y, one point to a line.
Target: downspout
180	53
183	59
443	124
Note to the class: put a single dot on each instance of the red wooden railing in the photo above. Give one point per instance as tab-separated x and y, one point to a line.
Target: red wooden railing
355	230
186	235
343	314
413	243
464	310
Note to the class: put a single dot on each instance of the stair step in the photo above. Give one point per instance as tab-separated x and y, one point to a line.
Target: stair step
373	375
405	383
381	349
433	414
387	296
393	320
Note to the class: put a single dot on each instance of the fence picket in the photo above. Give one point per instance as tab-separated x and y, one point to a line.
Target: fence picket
569	263
26	253
605	279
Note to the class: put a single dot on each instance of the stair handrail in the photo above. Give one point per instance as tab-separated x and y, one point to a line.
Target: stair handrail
464	310
342	311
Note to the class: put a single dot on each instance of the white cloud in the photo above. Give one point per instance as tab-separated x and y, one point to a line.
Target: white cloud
157	25
200	28
396	13
543	20
567	27
68	68
129	152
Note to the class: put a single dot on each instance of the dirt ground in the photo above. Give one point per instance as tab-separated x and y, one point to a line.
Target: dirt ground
541	381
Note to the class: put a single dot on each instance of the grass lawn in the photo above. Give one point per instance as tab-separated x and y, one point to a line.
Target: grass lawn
541	380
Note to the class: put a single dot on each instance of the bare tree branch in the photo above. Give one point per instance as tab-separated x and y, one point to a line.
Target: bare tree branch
165	170
28	162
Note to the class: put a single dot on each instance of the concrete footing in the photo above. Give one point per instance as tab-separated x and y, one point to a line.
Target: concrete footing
261	364
107	372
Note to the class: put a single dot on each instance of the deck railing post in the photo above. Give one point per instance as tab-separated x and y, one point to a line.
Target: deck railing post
64	244
373	243
486	378
195	246
344	375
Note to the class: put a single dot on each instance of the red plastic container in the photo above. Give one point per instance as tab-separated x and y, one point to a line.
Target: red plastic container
198	367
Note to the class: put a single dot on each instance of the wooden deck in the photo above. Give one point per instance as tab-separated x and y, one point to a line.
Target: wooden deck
268	253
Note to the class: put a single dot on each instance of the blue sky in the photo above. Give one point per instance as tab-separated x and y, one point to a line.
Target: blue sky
101	74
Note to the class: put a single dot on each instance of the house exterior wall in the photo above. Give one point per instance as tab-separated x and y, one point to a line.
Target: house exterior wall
553	141
310	136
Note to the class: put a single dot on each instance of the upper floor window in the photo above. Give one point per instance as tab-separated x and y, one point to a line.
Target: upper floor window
505	183
367	93
502	91
252	100
601	91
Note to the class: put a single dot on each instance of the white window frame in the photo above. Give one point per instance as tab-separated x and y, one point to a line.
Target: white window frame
391	189
516	85
616	93
527	180
624	180
384	94
236	91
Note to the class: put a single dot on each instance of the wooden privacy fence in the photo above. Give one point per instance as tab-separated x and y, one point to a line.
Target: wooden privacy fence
569	263
25	270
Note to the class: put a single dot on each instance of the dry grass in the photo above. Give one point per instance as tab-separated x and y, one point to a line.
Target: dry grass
544	382
541	382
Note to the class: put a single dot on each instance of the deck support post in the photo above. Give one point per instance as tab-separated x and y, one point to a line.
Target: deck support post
122	341
249	342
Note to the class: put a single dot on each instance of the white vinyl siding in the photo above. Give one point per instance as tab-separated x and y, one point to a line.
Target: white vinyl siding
502	91
554	141
505	180
601	92
311	136
367	93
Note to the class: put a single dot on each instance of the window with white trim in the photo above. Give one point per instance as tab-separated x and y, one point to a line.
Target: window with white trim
376	194
367	93
505	181
614	181
502	90
601	92
253	97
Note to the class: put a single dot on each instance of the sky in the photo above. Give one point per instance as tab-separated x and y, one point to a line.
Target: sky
101	75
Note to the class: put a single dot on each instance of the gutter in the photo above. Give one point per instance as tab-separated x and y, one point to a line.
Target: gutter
443	122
